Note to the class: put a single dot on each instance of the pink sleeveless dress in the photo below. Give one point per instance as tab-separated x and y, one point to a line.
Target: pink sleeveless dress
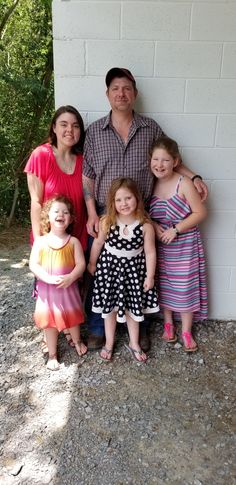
58	308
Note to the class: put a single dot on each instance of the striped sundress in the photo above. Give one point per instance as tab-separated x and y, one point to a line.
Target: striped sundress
181	278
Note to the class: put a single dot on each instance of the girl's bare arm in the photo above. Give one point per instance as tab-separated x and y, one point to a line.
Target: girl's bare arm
35	266
80	265
96	250
150	255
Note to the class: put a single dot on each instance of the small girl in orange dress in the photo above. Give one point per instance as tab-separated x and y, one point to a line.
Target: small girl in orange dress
57	260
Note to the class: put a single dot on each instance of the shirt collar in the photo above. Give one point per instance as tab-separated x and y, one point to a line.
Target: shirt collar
138	121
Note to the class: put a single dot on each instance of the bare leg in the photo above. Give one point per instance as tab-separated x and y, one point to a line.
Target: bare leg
51	335
133	329
68	337
189	343
44	346
81	349
168	315
110	329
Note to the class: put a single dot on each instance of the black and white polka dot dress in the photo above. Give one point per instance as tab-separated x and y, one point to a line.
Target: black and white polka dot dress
120	274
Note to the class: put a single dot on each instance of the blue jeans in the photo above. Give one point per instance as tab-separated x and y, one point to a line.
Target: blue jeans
94	320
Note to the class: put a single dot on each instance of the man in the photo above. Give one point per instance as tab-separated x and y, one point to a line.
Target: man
118	145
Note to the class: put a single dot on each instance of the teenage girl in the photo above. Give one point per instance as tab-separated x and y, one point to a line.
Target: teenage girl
124	271
176	208
57	260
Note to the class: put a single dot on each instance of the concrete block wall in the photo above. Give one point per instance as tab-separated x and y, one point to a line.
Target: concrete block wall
183	55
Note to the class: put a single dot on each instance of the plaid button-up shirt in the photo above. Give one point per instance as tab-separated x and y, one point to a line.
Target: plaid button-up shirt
107	156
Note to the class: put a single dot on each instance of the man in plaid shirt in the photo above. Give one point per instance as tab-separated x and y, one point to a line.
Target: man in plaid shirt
117	146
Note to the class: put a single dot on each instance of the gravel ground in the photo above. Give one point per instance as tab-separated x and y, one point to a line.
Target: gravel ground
170	421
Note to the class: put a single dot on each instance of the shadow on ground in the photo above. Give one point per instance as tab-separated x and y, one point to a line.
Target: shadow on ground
167	422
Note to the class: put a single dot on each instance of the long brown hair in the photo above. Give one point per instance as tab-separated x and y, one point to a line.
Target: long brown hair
111	215
44	216
52	137
167	144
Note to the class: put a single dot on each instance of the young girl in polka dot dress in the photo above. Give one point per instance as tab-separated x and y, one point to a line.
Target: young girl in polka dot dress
123	259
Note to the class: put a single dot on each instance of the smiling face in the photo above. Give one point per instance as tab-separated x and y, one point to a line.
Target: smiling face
125	202
162	163
121	94
59	216
67	130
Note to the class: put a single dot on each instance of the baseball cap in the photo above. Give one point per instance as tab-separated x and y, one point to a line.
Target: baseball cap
119	72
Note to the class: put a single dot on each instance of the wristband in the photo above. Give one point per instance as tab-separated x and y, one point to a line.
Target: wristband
176	230
196	177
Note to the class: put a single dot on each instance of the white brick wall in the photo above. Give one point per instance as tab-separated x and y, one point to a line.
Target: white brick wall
183	54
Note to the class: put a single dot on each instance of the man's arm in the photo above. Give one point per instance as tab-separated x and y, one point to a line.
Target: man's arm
93	219
198	182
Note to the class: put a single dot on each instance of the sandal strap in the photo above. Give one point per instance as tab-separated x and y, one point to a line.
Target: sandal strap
108	351
167	327
188	337
139	352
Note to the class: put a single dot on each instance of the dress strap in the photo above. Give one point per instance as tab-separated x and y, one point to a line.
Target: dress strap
60	247
178	183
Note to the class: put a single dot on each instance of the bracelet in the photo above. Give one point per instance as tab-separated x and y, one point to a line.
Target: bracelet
176	230
196	177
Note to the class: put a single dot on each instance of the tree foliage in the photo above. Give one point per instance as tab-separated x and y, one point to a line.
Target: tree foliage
26	95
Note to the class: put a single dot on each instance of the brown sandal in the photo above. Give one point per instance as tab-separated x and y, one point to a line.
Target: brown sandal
69	338
77	346
135	353
44	347
109	353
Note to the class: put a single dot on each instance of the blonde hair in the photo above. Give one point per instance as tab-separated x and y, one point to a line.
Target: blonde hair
109	219
44	216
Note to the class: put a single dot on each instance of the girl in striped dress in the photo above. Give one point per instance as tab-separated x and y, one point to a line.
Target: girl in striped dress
177	209
57	260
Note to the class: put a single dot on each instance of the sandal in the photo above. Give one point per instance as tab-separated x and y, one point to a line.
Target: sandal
69	338
108	352
169	331
80	348
52	363
135	353
188	341
44	347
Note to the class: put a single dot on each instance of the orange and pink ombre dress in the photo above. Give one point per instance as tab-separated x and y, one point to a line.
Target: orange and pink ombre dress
58	308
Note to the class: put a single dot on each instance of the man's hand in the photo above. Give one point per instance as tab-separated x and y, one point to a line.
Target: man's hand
201	188
93	225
